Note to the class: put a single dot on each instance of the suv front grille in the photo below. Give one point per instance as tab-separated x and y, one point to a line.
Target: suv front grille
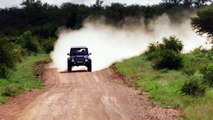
79	59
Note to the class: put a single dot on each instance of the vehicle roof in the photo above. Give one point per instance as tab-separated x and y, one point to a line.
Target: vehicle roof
79	47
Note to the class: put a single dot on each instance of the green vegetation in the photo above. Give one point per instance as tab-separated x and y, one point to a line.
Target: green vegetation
26	40
43	19
22	78
193	88
188	88
166	54
203	21
208	74
10	54
18	54
13	49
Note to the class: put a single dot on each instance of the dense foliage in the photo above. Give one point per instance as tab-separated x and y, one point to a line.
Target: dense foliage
10	54
166	54
14	48
26	40
208	74
193	88
203	21
168	59
43	19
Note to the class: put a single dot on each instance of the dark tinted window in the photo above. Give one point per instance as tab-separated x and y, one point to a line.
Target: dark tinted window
79	51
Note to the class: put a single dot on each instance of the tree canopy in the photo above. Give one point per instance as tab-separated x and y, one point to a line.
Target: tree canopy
43	19
202	23
188	3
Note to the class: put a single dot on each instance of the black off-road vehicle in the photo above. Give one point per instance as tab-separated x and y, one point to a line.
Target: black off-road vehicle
79	56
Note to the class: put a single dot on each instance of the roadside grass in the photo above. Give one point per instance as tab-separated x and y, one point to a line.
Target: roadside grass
23	78
165	85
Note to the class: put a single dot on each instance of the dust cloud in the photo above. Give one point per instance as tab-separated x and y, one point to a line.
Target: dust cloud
109	44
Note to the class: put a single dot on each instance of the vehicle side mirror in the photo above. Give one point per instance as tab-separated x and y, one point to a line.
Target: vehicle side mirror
68	54
90	53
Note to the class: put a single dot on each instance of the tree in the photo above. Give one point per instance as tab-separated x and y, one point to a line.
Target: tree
174	2
187	3
202	23
199	3
98	4
116	12
28	3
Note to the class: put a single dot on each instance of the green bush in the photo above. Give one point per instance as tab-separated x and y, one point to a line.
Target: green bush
10	54
11	90
168	59
29	42
48	44
189	69
193	88
166	54
153	51
3	72
208	74
172	43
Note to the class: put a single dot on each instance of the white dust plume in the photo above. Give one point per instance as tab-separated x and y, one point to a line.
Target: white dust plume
109	44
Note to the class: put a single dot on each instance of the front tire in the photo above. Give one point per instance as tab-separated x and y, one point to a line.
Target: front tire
89	67
69	66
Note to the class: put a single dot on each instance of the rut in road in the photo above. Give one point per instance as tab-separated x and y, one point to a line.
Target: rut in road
88	96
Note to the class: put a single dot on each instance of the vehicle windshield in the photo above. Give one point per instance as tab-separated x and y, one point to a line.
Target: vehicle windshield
79	51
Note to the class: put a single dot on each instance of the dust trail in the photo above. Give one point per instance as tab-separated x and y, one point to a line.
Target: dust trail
109	44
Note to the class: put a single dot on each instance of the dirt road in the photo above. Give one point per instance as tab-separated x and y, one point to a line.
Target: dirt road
83	96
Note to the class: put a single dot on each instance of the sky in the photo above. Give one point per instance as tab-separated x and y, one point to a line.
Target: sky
14	3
